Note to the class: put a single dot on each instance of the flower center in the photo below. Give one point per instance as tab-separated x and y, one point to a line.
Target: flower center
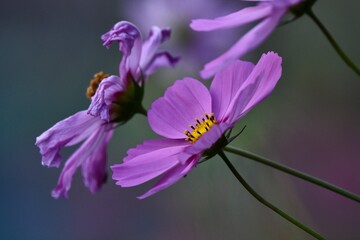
94	83
201	126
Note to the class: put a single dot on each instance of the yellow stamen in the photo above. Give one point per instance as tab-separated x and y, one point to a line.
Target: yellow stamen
94	83
201	126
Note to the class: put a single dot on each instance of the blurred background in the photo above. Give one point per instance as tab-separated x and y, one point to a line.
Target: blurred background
51	49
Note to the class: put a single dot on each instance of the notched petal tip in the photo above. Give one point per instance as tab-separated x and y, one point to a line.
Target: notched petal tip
274	55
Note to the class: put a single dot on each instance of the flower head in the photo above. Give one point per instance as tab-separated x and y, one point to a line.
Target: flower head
114	100
193	120
268	11
139	58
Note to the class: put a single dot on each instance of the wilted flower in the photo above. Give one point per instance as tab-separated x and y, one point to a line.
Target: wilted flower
268	11
193	121
114	100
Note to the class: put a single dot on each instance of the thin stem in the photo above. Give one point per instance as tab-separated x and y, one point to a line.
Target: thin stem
333	42
142	111
266	203
293	172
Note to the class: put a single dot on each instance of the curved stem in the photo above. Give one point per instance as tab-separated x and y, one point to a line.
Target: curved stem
293	172
333	42
266	203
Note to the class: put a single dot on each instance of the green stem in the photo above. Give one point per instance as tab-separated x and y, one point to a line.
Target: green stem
293	172
266	203
336	46
142	110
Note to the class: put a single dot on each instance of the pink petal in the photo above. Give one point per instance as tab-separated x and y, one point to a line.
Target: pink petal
162	59
258	85
149	163
248	42
225	86
151	45
238	18
172	114
94	167
81	155
67	132
152	145
172	176
129	38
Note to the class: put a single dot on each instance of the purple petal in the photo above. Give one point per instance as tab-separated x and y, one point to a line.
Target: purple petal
151	60
152	145
172	176
81	155
225	86
129	38
162	59
151	45
258	85
67	132
172	114
285	3
278	3
94	167
248	42
238	18
149	163
104	97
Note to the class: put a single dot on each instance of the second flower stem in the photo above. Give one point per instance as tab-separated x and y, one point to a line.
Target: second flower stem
266	203
333	42
293	172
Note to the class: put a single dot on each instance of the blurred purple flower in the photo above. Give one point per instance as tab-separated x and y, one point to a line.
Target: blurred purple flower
269	11
193	121
114	99
177	14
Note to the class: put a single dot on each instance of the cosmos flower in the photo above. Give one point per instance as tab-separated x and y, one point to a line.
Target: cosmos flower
114	100
192	121
268	11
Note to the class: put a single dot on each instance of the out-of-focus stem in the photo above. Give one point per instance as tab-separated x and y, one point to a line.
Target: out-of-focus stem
332	41
293	172
266	203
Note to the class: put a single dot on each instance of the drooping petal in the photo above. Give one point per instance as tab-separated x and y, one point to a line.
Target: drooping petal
248	42
149	162
104	96
129	38
172	114
161	59
150	60
172	176
257	86
151	45
94	167
238	18
226	84
67	132
81	155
